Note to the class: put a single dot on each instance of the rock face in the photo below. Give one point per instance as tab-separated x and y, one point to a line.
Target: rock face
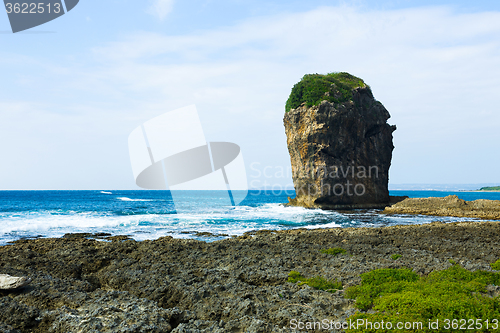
340	148
448	206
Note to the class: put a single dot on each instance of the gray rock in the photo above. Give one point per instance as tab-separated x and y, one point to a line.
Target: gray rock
234	285
12	282
340	152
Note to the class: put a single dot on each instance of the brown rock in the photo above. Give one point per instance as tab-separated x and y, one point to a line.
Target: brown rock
340	151
448	206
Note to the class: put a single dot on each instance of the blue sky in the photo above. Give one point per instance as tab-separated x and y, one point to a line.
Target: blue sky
73	89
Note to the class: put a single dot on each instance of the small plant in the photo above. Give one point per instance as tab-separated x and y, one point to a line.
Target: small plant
316	282
400	295
396	256
496	265
295	277
451	261
379	281
333	251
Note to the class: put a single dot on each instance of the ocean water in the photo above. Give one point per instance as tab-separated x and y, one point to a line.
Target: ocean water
151	214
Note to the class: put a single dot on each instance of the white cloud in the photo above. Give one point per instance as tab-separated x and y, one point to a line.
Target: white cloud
160	8
436	71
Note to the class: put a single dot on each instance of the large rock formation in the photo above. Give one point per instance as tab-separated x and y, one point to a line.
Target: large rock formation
340	143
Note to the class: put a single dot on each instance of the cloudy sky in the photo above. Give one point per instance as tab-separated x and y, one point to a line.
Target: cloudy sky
72	90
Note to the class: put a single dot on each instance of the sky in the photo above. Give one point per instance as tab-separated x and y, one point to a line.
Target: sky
73	89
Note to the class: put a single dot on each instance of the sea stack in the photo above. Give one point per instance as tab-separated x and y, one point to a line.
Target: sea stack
340	143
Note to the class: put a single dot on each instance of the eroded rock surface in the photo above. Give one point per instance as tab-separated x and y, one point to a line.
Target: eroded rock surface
340	150
233	285
448	206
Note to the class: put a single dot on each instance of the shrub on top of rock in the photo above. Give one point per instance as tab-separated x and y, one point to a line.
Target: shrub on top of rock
315	88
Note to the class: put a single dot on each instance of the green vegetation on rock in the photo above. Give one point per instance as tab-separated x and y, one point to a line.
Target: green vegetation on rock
312	89
396	256
400	295
316	282
490	188
333	251
496	265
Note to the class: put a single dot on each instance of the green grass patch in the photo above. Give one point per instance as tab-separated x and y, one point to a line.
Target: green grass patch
333	251
312	89
316	282
400	295
396	256
496	265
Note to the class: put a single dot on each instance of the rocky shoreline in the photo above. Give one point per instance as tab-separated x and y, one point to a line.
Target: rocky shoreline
447	206
95	283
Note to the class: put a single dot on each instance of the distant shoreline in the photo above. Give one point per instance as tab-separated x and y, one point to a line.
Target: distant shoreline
434	190
479	191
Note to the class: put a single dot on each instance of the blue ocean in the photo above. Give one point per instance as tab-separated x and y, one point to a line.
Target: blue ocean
151	214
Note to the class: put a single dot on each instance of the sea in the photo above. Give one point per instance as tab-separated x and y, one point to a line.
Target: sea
142	214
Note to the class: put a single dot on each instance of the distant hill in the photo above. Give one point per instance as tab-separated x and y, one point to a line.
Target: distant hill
491	188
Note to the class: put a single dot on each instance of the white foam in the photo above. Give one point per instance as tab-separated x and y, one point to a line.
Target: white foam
233	221
279	211
321	226
128	199
104	192
47	222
